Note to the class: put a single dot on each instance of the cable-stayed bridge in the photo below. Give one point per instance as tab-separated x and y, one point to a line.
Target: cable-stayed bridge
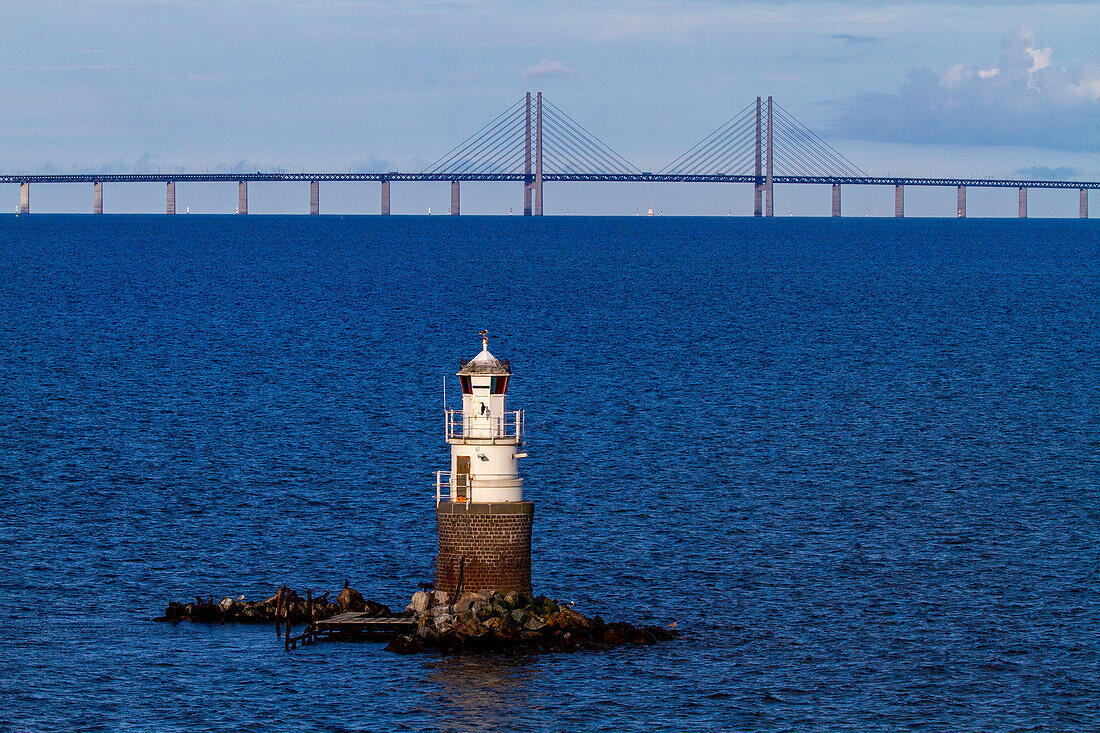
534	142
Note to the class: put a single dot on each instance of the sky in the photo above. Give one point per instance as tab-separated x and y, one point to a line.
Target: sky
969	89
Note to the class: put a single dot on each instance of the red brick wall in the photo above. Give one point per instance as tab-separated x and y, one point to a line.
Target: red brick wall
493	539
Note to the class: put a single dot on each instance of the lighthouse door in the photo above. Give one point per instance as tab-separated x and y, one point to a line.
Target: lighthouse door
462	477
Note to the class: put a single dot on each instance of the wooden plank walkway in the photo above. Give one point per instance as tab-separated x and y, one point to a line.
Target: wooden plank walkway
353	626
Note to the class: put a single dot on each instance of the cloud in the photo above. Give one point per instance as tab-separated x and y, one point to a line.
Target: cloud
1023	99
548	68
1046	173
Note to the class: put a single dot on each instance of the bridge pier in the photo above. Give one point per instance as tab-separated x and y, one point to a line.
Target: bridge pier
170	205
899	201
758	184
538	155
314	198
836	199
385	197
961	203
769	190
528	181
1084	209
454	198
1023	202
24	198
242	197
97	197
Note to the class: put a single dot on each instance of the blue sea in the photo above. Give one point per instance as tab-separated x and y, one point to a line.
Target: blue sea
857	462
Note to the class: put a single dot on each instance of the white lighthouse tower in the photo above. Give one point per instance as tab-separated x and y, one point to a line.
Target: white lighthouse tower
484	523
485	438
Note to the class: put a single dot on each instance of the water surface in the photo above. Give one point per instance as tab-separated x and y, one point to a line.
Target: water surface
856	461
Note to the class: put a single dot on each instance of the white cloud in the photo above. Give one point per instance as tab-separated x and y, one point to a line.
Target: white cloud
548	68
1040	58
1022	100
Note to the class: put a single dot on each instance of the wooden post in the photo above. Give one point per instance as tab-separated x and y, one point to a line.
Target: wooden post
287	606
309	610
278	608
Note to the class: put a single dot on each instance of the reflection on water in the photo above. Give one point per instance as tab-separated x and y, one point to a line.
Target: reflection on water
483	693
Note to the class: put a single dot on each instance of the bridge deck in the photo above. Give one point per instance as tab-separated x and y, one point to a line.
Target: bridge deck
548	177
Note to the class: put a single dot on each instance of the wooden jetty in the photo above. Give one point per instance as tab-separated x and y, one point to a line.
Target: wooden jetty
352	626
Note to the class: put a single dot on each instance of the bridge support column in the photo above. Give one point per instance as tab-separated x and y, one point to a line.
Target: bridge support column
170	206
385	197
1023	202
1084	210
528	181
769	209
454	198
97	197
24	198
836	199
242	197
538	155
758	184
961	203
899	200
314	198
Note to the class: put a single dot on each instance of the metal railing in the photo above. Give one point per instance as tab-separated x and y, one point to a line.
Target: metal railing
447	488
506	426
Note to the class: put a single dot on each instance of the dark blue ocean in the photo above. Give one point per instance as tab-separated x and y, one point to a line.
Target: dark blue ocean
857	461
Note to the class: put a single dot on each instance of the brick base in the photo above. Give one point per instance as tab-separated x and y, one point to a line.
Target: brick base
491	543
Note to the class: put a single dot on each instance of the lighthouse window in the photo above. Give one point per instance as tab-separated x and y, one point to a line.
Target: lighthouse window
466	388
500	385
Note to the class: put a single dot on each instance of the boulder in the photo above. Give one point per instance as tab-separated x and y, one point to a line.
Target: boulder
405	645
421	600
375	608
350	599
439	598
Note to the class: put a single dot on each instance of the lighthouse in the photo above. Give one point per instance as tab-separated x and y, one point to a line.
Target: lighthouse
484	523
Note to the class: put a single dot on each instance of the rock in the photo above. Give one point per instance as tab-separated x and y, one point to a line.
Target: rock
617	633
518	616
350	599
558	621
533	624
405	645
376	609
226	604
439	598
464	602
421	600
